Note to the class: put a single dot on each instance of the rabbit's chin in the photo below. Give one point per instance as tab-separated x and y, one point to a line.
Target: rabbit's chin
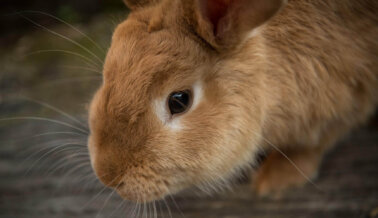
145	188
140	196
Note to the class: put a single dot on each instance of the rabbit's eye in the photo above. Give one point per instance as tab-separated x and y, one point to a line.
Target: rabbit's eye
179	102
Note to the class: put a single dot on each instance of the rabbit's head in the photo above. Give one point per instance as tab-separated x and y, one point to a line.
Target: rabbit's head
177	107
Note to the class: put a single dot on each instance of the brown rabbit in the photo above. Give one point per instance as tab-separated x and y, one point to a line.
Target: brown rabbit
194	89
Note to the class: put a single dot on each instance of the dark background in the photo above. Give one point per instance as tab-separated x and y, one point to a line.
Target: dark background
73	11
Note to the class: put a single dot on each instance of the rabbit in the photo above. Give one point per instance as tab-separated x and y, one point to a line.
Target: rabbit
193	90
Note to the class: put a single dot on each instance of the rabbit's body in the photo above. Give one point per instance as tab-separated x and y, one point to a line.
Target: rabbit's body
294	83
322	69
320	60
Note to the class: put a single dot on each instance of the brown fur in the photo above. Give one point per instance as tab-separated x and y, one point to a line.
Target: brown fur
304	80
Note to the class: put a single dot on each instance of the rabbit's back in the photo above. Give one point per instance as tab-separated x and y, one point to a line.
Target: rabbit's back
322	58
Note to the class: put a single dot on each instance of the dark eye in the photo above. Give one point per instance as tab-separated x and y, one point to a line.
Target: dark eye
179	102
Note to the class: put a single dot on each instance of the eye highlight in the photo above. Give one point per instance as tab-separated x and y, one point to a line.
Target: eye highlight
179	102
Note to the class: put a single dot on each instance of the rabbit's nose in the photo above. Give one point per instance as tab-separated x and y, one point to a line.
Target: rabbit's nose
106	163
107	172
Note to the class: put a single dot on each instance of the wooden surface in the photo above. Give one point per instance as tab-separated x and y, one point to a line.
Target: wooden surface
29	186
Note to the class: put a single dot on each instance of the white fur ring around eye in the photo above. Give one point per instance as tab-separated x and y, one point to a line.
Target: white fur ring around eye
164	114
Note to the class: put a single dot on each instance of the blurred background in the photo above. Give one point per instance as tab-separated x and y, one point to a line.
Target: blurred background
50	64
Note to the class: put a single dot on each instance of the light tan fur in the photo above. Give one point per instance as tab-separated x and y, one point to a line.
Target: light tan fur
303	80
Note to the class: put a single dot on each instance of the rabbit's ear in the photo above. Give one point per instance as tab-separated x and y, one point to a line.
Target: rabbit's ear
134	4
227	22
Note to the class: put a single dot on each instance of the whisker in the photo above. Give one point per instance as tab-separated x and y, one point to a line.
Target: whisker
45	119
62	164
62	181
71	80
46	146
140	209
62	36
85	59
58	133
203	189
117	208
112	21
291	162
98	194
155	212
147	206
176	205
149	209
92	183
139	206
70	25
108	198
53	108
80	188
160	208
81	68
149	213
136	205
72	159
89	174
51	151
144	208
127	208
72	171
169	210
45	134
